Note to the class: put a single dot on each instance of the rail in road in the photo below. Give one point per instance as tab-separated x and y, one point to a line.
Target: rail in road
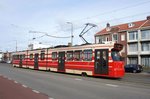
138	78
142	79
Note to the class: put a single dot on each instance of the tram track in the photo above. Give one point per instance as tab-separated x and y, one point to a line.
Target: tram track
133	79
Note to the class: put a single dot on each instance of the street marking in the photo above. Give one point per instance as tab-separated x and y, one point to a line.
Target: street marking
112	85
4	76
78	79
15	82
9	79
24	86
50	98
35	91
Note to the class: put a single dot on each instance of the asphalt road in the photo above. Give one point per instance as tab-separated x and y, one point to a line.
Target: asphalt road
64	86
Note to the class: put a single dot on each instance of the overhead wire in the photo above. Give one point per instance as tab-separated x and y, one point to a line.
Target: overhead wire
109	12
46	34
104	13
115	10
139	14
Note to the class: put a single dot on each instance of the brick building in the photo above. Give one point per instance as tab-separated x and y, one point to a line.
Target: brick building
135	36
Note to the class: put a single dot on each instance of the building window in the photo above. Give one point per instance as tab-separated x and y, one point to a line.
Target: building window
122	37
70	55
102	39
145	60
107	38
145	34
78	55
145	46
115	37
131	25
87	55
133	47
133	60
54	55
97	39
133	35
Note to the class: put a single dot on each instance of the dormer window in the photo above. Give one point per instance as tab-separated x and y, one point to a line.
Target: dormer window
130	25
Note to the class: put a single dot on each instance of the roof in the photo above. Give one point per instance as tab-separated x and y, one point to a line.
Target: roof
124	27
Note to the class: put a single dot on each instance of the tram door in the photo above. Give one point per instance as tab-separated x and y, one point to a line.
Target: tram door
36	57
61	61
101	61
20	63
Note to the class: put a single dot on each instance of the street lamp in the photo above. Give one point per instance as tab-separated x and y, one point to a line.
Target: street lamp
71	32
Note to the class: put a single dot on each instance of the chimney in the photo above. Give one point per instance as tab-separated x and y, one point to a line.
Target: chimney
148	17
108	27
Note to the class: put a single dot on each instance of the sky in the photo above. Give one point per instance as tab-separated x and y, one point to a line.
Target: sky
19	19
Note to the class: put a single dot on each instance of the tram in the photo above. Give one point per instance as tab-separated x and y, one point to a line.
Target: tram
93	59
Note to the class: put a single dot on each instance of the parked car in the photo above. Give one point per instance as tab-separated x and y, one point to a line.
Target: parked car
2	61
134	68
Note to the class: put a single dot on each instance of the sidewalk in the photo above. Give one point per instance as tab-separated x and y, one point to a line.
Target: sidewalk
146	71
10	89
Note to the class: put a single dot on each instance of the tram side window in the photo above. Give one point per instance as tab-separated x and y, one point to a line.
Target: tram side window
87	55
31	56
20	56
17	57
42	56
54	55
104	58
70	55
14	57
23	56
78	55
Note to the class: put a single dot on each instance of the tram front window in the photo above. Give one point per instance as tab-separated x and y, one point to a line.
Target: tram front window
115	52
115	56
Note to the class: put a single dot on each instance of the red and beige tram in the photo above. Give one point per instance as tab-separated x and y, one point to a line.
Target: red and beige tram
94	59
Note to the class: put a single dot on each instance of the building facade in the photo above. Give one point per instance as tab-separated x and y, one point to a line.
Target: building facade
1	56
7	57
135	36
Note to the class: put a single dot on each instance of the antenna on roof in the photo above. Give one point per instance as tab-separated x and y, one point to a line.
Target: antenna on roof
83	31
